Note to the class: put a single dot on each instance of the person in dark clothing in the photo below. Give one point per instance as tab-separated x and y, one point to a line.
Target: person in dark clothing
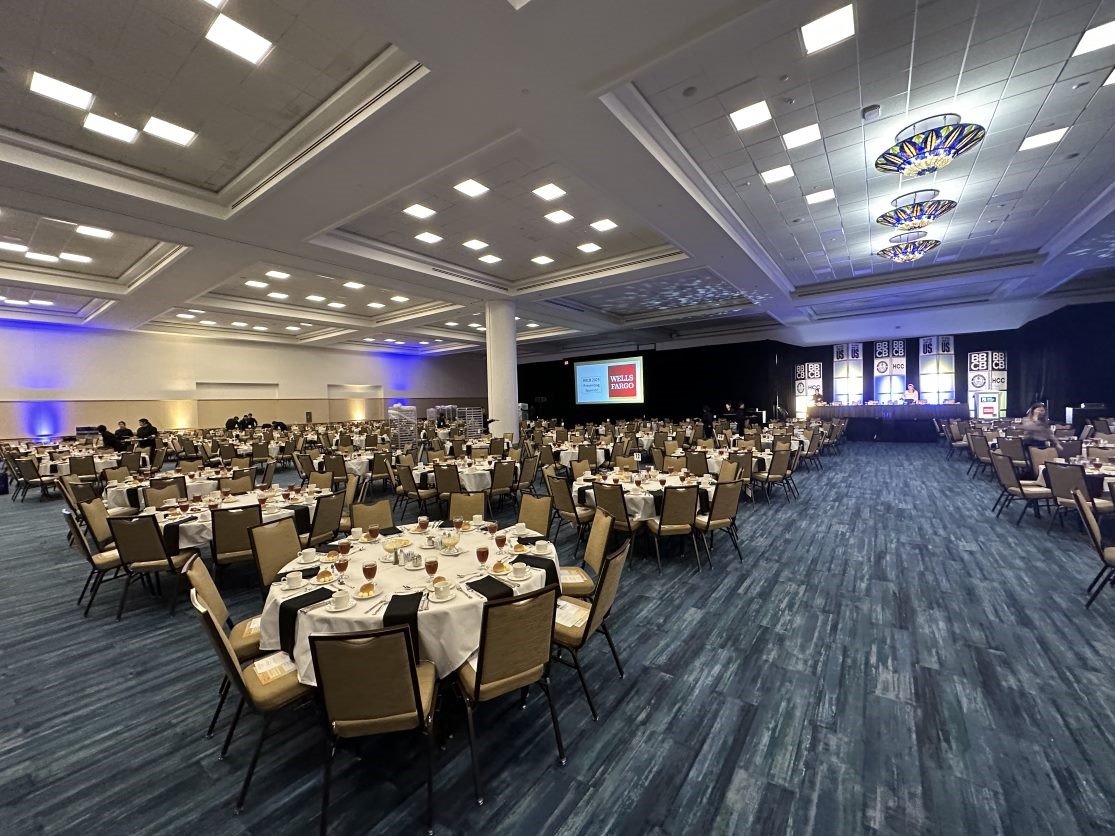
123	431
108	439
280	425
250	420
232	423
146	433
488	423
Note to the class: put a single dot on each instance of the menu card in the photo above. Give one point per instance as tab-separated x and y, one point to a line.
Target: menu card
273	667
570	615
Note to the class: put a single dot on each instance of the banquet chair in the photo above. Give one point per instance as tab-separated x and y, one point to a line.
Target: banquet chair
335	465
448	481
407	459
370	683
274	545
1039	457
84	468
304	464
143	553
697	462
496	447
379	470
132	461
981	453
574	638
327	519
321	481
546	457
580	583
678	519
728	471
574	515
241	635
409	492
177	482
503	483
264	698
1013	488
351	482
30	478
235	484
118	474
226	452
155	497
580	468
535	513
1065	480
516	453
812	453
435	455
1012	446
241	463
528	471
775	474
96	518
721	516
268	476
957	442
625	463
587	453
1106	554
670	447
515	639
74	491
230	543
378	513
658	457
261	452
1071	448
465	505
100	562
609	498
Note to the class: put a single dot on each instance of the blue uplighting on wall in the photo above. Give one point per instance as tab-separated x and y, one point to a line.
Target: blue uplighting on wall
400	370
41	419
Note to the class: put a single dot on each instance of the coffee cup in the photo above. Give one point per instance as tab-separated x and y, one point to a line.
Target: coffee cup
519	570
423	522
340	600
542	546
356	533
442	590
520	528
477	519
308	555
293	580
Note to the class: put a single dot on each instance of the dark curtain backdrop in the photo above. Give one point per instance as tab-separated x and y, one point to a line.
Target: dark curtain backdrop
1066	356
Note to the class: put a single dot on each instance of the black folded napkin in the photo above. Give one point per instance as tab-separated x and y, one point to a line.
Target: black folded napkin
492	589
403	609
390	532
133	497
530	539
288	615
308	573
302	523
170	534
424	479
544	563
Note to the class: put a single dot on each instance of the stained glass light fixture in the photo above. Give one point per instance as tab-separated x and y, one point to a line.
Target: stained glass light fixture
915	210
907	247
929	144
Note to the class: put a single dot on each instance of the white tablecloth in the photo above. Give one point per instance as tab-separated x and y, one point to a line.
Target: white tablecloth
569	455
449	632
116	496
199	533
62	466
355	465
639	502
473	480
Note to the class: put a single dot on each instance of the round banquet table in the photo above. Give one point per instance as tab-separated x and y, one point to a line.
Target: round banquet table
199	532
567	455
474	478
448	631
61	467
116	496
354	465
639	501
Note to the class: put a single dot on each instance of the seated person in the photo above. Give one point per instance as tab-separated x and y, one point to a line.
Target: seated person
911	394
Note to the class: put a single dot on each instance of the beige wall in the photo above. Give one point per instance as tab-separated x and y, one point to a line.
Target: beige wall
55	379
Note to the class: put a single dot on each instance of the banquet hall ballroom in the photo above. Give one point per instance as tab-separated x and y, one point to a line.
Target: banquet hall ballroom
557	416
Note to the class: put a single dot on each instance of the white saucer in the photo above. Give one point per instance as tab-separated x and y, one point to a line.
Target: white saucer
435	600
419	568
313	559
525	577
283	587
453	552
330	608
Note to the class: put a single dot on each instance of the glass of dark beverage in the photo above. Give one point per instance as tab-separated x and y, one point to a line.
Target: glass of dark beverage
341	563
431	566
373	531
482	555
662	481
369	569
493	527
344	546
501	541
458	522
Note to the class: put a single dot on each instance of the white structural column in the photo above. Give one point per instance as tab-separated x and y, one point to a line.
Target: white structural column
503	368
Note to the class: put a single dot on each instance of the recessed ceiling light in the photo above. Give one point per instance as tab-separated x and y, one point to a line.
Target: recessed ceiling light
388	340
559	217
828	30
293	328
376	305
452	324
517	318
400	298
471	188
549	192
542	259
15	248
41	257
603	225
428	237
116	130
1095	38
337	305
475	244
206	322
751	115
821	196
168	131
439	341
60	91
588	248
490	259
423	342
18	302
277	296
259	327
216	4
239	325
185	316
481	329
256	283
369	339
532	325
1046	138
419	211
42	303
354	285
277	274
195	310
776	175
1110	79
80	259
93	232
474	325
239	40
802	136
313	297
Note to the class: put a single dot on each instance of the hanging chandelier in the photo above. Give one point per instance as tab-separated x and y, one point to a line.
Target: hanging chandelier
916	210
907	247
929	144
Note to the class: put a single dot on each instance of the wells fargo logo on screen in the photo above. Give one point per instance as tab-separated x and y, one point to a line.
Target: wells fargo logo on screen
622	382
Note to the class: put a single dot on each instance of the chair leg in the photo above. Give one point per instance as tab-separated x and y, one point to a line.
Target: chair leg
1096	579
84	589
696	550
544	684
222	696
123	597
584	684
231	729
523	698
331	752
431	752
1099	586
472	751
252	764
174	592
735	542
93	592
658	554
608	635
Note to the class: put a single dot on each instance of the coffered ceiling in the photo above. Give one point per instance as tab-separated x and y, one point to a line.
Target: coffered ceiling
381	162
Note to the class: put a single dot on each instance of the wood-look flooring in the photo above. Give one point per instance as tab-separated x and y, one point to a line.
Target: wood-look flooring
889	658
